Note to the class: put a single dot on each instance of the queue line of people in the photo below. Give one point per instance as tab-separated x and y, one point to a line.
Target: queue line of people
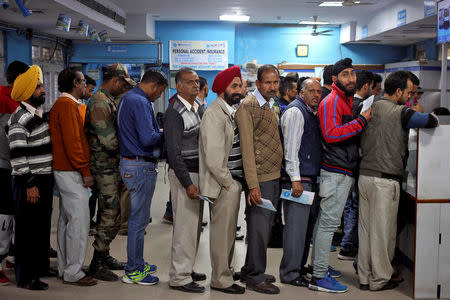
239	143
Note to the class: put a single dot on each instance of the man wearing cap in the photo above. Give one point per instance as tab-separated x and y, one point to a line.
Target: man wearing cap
141	144
181	130
215	177
100	128
31	160
339	162
72	176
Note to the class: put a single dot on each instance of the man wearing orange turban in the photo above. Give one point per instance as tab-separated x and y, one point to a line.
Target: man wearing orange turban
31	161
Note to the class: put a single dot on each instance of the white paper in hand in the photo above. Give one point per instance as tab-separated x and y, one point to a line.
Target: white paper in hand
267	204
367	103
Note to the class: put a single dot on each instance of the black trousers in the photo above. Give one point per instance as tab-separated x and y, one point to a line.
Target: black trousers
259	224
32	235
6	202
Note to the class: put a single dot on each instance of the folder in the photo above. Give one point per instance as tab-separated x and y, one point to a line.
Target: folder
306	197
267	204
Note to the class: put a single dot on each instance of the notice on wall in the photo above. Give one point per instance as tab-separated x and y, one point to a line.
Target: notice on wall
429	8
198	55
364	31
401	17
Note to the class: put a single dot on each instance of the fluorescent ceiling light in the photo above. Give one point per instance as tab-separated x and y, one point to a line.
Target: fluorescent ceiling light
314	23
331	3
235	18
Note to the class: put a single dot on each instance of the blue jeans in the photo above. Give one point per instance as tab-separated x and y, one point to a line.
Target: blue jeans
140	179
350	238
334	190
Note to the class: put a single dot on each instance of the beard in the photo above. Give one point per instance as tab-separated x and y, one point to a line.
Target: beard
38	101
232	99
347	93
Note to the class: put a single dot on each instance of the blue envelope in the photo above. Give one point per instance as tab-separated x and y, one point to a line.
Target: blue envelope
267	204
306	197
205	199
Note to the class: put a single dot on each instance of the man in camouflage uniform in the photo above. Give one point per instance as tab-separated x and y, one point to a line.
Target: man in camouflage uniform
100	128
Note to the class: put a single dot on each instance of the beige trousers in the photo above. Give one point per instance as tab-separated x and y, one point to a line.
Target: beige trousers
224	214
377	229
187	222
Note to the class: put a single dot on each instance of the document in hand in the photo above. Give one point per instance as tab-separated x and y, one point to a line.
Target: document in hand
267	204
306	197
367	103
205	199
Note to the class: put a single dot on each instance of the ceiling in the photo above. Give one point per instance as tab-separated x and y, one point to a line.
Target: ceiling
260	11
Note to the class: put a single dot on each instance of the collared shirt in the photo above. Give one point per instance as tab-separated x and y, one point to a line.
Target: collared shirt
33	110
231	109
188	105
292	125
262	100
67	95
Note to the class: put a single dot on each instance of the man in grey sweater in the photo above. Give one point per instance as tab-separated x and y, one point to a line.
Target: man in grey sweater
384	146
181	130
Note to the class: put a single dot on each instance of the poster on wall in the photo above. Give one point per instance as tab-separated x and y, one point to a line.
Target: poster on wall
198	55
443	34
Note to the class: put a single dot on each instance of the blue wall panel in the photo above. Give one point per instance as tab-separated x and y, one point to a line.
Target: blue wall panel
16	47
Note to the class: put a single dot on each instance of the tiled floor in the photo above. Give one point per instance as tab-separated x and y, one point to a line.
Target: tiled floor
157	251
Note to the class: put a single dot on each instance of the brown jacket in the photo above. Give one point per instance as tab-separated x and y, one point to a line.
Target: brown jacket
260	142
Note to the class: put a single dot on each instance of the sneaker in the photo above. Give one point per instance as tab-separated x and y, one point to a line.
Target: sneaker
150	269
3	278
334	273
139	277
332	248
347	255
327	284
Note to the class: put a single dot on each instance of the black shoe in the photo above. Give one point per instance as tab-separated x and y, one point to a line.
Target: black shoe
364	287
49	273
264	288
347	255
52	253
388	286
234	289
299	281
268	278
112	263
99	270
198	276
236	276
189	288
34	285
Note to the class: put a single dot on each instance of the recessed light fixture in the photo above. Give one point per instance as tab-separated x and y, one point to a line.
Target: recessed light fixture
235	18
331	3
314	23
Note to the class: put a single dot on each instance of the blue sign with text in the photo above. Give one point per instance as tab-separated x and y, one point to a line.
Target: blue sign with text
401	18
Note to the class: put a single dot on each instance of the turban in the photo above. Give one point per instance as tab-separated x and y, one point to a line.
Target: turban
342	65
25	84
224	78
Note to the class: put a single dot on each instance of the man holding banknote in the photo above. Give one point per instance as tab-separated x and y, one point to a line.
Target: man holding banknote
302	154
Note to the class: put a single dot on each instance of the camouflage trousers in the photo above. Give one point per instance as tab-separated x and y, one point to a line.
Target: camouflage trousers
108	186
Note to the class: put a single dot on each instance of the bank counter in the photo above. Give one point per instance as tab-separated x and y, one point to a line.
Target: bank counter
425	241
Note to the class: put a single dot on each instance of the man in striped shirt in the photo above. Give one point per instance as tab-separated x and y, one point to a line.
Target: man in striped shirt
31	160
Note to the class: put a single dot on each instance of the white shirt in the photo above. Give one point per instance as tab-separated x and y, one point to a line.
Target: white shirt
231	109
292	126
188	105
261	99
33	110
67	95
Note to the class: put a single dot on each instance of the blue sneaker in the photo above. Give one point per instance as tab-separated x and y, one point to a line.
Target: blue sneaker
327	284
150	269
334	273
140	277
332	248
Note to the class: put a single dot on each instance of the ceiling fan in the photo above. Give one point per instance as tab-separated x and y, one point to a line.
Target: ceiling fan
346	3
315	32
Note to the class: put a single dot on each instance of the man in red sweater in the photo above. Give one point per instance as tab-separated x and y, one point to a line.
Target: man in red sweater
72	176
339	161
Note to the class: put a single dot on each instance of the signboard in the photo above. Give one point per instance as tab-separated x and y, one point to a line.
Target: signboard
365	31
198	55
401	18
443	34
429	8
